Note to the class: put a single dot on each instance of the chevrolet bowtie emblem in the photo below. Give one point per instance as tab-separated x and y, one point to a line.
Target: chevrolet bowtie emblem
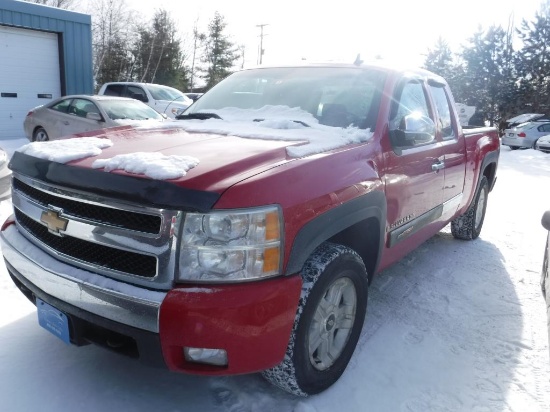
54	223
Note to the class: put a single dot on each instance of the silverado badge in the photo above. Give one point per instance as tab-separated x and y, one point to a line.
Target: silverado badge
54	223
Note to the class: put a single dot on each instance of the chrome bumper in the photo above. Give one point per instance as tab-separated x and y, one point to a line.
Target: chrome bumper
102	296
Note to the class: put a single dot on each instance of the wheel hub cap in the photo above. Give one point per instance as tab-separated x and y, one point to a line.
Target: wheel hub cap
332	323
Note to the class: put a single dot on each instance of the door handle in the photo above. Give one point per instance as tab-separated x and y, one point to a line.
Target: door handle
66	123
438	166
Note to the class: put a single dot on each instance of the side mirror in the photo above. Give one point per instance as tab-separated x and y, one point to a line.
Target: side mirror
94	116
414	129
418	128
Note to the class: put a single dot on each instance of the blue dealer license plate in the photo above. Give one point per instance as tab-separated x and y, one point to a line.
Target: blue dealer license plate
53	321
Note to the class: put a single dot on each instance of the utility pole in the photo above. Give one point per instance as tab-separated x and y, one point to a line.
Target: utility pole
261	51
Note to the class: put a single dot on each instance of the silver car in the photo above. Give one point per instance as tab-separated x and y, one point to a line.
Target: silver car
543	144
82	113
525	135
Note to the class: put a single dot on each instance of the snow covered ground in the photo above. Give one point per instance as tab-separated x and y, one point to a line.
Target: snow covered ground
454	326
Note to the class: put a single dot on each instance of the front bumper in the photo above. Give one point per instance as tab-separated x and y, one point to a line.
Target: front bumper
543	147
250	321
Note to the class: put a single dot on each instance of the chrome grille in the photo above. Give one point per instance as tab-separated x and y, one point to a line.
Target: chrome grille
116	239
91	253
103	215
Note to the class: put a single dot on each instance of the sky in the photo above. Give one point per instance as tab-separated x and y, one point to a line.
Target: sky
462	332
338	31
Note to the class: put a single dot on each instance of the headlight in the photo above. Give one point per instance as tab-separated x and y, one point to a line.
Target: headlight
177	110
232	245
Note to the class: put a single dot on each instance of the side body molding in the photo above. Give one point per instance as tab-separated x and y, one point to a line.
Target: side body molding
325	226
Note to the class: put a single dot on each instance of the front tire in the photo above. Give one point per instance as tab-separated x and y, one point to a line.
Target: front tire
40	135
468	226
328	322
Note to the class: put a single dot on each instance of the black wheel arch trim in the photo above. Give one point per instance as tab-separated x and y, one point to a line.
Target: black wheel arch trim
491	157
334	221
143	191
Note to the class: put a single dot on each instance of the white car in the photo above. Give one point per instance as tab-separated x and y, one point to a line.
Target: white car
163	99
82	113
525	135
543	144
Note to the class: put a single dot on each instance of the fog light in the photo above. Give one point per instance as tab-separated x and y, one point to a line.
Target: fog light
216	357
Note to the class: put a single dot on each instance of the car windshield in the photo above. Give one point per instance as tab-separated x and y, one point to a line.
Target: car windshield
129	109
165	93
337	97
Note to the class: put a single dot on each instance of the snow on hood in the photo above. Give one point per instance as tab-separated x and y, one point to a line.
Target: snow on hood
66	150
277	123
154	165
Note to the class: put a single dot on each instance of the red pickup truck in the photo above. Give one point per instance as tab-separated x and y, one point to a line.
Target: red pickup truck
243	237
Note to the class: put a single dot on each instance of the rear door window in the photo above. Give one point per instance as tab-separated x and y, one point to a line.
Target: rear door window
114	90
137	93
62	106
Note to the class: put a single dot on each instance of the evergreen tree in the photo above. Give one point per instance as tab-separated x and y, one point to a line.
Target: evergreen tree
441	60
489	78
534	62
220	53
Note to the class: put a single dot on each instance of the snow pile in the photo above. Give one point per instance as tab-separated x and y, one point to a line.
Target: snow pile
67	150
278	123
154	165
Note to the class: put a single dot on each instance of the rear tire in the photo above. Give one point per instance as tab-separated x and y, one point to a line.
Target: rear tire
328	321
468	226
40	135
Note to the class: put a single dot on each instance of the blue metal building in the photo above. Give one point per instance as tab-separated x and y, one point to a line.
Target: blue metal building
45	52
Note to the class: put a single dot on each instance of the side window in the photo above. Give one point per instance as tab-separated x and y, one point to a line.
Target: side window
114	90
62	106
136	93
443	112
81	107
545	128
410	122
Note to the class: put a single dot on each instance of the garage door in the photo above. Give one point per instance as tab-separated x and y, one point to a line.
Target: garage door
29	76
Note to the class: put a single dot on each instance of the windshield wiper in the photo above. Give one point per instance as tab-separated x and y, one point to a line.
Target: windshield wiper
295	121
199	116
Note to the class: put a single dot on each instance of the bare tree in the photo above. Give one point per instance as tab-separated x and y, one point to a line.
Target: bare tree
60	4
113	33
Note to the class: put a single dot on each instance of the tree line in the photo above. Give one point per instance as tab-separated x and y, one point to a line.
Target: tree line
125	48
502	71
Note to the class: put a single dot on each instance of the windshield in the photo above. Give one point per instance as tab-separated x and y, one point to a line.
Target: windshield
129	109
340	96
166	93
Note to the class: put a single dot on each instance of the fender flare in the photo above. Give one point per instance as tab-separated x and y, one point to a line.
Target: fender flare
328	224
491	157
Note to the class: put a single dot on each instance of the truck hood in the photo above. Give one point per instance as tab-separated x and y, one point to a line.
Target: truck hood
222	160
201	155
